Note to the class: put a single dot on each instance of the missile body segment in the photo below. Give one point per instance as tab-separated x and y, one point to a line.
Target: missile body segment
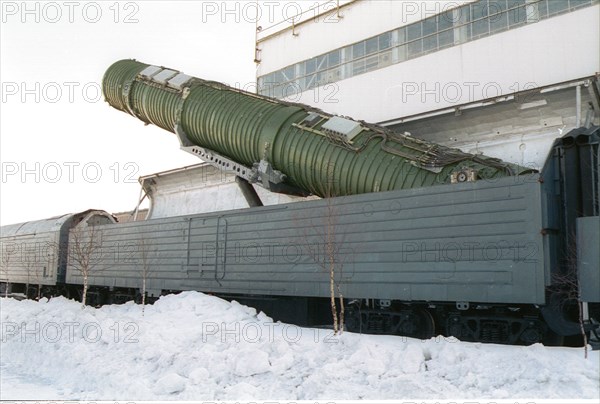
279	142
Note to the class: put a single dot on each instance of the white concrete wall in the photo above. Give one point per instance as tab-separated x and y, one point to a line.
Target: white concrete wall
554	50
360	20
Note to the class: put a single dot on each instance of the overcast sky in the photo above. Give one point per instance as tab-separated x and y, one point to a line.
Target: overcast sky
62	148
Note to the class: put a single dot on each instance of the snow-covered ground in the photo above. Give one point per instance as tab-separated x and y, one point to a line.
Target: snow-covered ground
197	347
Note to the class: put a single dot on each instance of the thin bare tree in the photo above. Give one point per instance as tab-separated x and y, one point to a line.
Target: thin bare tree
566	285
146	252
85	253
325	246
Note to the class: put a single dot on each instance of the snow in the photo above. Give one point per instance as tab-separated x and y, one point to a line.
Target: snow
193	346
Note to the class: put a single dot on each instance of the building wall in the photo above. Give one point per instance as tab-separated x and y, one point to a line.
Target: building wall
536	54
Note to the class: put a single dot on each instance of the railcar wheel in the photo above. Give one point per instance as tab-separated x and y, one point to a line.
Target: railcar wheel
416	323
353	321
426	324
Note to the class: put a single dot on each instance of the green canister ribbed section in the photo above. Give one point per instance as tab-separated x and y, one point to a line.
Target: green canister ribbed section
247	128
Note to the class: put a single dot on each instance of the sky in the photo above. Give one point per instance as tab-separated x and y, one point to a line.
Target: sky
62	148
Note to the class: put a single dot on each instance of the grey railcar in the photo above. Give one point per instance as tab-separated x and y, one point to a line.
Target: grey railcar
477	241
34	254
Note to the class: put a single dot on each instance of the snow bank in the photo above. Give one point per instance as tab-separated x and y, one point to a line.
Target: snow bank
197	347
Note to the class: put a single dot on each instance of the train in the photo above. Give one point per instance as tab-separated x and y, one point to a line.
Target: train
409	238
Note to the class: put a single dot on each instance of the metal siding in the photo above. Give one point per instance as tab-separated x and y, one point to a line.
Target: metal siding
588	256
118	263
476	241
28	254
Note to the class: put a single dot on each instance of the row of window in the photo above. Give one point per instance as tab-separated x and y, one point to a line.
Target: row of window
453	27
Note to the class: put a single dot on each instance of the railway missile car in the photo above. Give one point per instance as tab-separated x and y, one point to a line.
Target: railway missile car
419	239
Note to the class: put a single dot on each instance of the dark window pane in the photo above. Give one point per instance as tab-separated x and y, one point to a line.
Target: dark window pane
372	63
464	14
321	78
517	16
358	50
358	67
497	14
267	79
333	58
277	77
429	26
290	89
321	62
543	9
499	22
578	3
445	20
430	43
415	48
480	28
413	31
557	6
479	10
385	41
288	73
302	83
446	38
372	45
311	66
496	7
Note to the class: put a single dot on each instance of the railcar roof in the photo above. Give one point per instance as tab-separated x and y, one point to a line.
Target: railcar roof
35	226
45	225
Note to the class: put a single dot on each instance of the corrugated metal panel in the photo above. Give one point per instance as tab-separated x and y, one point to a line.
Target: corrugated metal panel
30	250
476	241
35	252
31	258
588	257
33	227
